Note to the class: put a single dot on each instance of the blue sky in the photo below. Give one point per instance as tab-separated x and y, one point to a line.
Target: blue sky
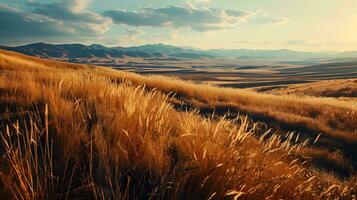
312	25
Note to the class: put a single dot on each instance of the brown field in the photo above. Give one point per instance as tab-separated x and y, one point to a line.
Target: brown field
239	73
73	131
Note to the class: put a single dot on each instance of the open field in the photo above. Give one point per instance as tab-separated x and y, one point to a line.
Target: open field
241	73
235	71
79	131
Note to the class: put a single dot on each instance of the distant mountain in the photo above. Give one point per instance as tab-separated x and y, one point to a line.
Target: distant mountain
282	54
155	48
168	50
79	51
83	53
191	55
69	51
348	54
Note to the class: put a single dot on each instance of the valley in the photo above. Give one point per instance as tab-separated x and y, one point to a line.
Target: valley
242	74
227	68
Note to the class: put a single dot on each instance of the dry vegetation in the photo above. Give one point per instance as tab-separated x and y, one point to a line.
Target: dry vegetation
77	132
334	122
345	88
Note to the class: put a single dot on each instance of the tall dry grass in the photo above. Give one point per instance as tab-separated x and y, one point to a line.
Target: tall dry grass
70	133
332	120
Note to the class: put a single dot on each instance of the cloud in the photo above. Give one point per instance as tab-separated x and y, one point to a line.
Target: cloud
75	12
132	33
190	16
262	17
302	43
72	20
15	22
244	42
203	1
250	42
56	20
279	20
296	42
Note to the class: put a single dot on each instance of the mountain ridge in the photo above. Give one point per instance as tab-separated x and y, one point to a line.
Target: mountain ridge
76	50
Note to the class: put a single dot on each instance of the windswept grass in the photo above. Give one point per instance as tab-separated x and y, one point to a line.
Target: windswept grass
333	121
94	133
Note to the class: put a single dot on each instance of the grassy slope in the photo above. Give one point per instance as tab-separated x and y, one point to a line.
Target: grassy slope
346	88
77	131
332	121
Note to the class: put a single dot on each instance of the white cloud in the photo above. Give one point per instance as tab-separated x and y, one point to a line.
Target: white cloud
75	13
190	16
78	6
203	1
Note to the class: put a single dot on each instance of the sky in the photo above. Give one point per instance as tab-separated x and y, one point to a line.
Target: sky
305	25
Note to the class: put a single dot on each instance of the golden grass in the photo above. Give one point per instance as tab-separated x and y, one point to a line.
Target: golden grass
333	120
345	88
95	133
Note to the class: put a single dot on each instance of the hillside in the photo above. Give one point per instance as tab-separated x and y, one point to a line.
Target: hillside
264	68
87	54
82	53
345	88
79	131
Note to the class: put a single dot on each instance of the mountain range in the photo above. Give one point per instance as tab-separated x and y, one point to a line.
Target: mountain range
75	52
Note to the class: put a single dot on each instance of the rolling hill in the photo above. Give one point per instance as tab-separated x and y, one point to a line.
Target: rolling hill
345	88
82	53
79	52
79	131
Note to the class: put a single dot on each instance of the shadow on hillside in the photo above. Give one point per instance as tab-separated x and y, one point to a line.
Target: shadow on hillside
325	142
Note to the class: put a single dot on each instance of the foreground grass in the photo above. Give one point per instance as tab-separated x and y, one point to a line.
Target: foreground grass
71	131
332	121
